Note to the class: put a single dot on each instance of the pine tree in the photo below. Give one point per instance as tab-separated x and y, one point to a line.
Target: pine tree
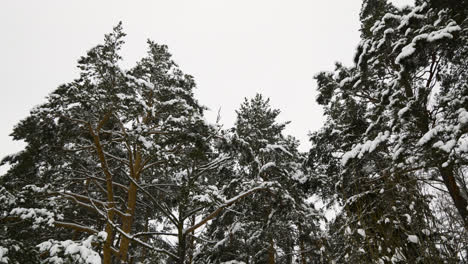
254	231
411	53
384	117
94	152
121	159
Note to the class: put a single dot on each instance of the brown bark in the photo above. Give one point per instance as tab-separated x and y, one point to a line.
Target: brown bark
271	252
107	248
75	227
454	191
127	221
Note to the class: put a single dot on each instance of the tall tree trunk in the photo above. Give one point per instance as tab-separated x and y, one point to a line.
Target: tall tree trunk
107	250
191	242
301	245
127	220
289	257
181	251
271	252
182	243
454	191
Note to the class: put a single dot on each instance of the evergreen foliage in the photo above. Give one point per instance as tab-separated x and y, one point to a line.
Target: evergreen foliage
269	226
120	165
396	127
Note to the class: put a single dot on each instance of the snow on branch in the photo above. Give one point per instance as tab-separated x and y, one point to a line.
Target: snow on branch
273	147
443	33
220	208
78	252
368	147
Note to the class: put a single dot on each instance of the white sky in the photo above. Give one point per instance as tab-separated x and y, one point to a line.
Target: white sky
234	49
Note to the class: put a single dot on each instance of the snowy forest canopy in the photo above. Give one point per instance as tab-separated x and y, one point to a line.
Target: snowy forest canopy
120	165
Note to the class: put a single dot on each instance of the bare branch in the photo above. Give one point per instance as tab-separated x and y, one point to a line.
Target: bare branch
165	211
154	233
220	209
76	227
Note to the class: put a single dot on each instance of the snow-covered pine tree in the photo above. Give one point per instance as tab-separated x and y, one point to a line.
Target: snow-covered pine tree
396	123
267	226
372	200
414	53
110	158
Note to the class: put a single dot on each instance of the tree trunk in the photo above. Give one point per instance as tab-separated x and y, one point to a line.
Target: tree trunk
289	257
107	253
107	250
301	245
127	220
271	252
454	191
191	242
182	245
181	250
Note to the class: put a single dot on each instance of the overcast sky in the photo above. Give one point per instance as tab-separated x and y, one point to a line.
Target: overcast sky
234	49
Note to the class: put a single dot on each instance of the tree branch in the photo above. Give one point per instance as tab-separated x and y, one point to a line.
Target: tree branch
220	209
